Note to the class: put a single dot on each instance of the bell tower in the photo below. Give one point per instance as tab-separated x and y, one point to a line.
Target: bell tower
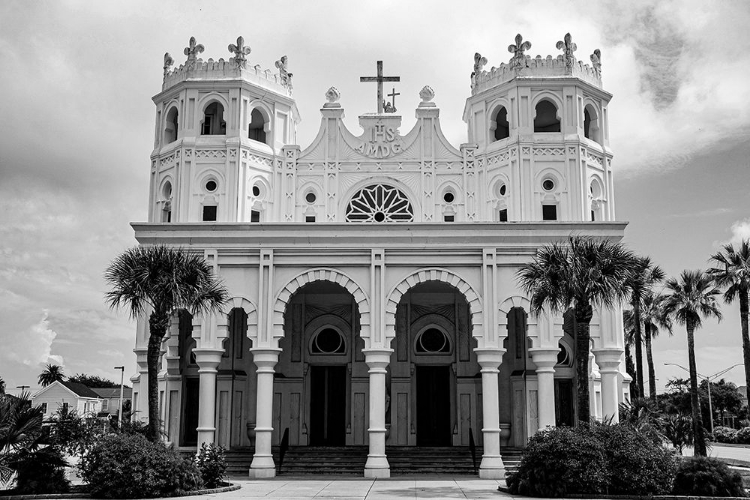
540	127
220	129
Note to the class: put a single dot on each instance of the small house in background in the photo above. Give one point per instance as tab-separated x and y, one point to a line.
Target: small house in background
110	397
72	395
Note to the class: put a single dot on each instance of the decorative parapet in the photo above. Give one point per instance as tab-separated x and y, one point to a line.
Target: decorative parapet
236	67
521	65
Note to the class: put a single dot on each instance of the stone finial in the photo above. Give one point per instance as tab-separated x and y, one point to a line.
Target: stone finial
596	61
333	95
168	62
479	63
427	94
568	47
240	51
192	51
518	61
285	76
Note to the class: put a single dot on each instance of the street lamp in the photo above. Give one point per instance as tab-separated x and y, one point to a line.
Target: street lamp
708	384
122	379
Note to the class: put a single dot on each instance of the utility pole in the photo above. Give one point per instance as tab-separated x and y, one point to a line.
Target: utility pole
122	380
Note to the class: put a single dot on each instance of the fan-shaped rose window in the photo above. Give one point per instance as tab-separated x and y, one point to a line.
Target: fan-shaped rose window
379	203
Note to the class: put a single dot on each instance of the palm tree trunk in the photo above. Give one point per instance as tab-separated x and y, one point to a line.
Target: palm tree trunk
698	441
650	361
583	316
158	323
638	340
745	337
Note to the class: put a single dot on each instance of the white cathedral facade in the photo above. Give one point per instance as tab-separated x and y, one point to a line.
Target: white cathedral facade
372	273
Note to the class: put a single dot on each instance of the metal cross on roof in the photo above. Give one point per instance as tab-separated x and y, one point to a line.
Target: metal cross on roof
380	79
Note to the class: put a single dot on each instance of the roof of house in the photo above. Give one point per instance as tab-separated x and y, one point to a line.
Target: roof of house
112	392
81	390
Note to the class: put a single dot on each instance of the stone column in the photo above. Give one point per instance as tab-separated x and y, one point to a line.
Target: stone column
489	360
208	360
608	360
377	463
545	360
265	358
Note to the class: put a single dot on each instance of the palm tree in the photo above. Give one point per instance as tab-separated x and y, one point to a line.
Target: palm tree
653	317
629	330
160	280
691	297
642	276
51	373
582	274
733	275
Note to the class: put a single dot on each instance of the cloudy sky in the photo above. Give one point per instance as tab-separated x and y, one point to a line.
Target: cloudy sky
77	77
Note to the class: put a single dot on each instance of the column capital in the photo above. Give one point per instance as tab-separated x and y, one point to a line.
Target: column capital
489	357
208	359
608	359
377	357
265	358
544	357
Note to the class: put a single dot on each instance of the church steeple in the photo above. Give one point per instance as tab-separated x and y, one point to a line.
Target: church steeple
221	127
540	126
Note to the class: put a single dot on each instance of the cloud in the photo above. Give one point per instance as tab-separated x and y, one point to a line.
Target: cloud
740	231
38	344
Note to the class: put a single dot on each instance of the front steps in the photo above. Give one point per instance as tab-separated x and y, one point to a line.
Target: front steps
350	460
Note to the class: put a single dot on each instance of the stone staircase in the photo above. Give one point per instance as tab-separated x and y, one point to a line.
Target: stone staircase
350	460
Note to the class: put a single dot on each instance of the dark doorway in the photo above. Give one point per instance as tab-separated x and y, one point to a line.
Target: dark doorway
190	413
564	412
328	405
433	406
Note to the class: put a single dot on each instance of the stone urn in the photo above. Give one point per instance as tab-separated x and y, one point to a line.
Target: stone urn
504	434
250	426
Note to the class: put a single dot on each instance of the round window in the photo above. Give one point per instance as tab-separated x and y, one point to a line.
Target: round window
432	340
310	197
328	341
503	189
448	197
211	186
256	191
548	184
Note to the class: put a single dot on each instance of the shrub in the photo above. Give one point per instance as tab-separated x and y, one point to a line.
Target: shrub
41	470
212	464
560	461
636	464
130	466
725	435
707	477
743	436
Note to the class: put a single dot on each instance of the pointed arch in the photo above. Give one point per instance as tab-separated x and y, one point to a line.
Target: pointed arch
322	274
433	274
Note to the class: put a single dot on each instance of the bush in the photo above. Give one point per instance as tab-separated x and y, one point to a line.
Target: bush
743	436
679	430
40	471
725	435
558	462
707	477
212	464
636	463
130	466
614	459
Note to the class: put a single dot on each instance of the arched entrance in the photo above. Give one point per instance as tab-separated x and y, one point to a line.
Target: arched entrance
434	391
321	381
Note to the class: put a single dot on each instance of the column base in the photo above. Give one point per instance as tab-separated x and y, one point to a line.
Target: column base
492	467
262	473
377	473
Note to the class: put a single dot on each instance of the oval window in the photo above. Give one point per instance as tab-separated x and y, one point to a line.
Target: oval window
503	189
432	341
328	341
256	191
